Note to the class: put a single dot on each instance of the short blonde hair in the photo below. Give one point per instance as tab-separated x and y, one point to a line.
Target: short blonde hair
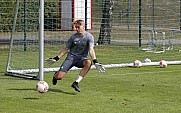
79	22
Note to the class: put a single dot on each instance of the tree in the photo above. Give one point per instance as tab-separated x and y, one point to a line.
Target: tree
106	24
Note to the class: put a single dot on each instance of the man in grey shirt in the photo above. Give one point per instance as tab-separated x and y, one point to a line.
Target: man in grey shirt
77	48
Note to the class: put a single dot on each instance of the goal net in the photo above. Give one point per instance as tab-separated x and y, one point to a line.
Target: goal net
114	24
24	53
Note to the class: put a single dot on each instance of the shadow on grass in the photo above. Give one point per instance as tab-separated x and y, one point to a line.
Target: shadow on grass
23	89
60	91
50	90
2	72
9	77
31	98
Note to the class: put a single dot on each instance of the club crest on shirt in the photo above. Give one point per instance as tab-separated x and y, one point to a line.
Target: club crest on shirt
76	41
80	42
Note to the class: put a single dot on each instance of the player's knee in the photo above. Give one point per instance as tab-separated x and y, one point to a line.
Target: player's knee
59	75
87	63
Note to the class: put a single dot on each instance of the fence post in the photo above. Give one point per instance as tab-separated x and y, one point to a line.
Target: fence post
180	14
140	22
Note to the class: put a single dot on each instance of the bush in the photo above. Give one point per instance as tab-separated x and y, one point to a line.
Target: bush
8	10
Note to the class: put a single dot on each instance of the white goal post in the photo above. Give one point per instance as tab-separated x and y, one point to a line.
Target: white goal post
41	46
41	41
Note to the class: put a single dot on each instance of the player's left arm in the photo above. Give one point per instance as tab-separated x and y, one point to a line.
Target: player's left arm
92	53
98	65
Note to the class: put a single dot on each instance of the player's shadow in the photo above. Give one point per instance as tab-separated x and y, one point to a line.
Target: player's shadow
50	90
31	98
23	89
60	91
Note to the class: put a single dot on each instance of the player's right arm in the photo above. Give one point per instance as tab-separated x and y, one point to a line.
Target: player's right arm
63	52
51	61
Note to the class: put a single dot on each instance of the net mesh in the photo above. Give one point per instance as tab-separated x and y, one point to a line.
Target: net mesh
113	22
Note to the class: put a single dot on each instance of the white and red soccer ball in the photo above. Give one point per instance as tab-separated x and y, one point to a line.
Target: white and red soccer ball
147	60
163	64
137	63
42	87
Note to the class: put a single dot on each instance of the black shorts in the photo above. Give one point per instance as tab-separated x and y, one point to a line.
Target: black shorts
70	62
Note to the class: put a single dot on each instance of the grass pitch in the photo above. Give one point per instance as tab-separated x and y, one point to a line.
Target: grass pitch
119	90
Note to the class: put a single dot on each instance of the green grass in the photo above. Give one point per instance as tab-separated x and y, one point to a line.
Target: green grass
118	90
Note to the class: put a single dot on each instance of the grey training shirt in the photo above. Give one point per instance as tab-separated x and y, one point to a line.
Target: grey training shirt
79	45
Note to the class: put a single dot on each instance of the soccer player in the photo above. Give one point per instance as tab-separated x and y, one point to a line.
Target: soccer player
77	48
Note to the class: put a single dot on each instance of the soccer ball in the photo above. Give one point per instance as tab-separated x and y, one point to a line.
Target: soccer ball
137	63
147	60
42	87
163	64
